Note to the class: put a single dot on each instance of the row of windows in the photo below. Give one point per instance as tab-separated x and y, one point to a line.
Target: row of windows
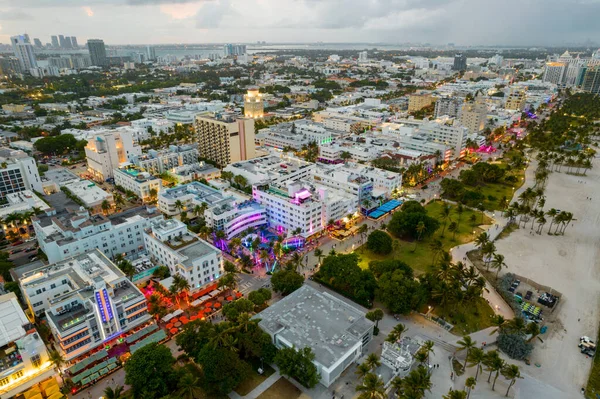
76	337
78	345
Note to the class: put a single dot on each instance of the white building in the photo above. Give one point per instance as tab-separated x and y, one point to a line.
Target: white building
272	169
143	184
225	210
70	233
303	319
24	357
23	201
295	205
157	162
170	243
18	172
105	151
87	300
90	195
24	52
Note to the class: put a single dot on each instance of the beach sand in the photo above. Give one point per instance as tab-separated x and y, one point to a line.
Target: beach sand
571	265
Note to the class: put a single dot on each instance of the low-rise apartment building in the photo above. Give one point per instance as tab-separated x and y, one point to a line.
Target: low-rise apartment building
157	162
143	184
74	232
170	243
87	302
18	172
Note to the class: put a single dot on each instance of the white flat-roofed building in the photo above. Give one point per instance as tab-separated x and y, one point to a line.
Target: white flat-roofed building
157	125
18	172
157	162
139	182
23	355
196	171
170	243
271	168
87	301
90	194
225	210
23	201
71	233
332	153
303	319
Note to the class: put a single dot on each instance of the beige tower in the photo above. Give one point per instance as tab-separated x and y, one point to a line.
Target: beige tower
253	104
473	115
225	139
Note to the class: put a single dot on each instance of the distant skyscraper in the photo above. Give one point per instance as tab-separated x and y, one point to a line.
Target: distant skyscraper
253	103
37	43
234	49
55	41
151	53
24	52
554	72
68	42
61	40
74	42
363	56
97	52
460	62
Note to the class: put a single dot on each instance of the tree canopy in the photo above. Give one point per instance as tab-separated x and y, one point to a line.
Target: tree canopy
379	242
150	372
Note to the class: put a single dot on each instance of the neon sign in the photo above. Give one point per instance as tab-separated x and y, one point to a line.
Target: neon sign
103	302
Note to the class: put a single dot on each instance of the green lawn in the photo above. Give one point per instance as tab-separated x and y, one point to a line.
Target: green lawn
500	190
593	385
420	259
254	380
467	317
281	389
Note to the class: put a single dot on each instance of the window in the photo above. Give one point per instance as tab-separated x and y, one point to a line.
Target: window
36	361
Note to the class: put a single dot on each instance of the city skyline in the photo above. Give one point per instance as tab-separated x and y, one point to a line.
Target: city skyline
466	22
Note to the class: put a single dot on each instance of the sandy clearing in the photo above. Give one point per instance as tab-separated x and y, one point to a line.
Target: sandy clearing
571	265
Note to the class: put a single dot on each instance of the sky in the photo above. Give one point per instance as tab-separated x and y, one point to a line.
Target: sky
463	22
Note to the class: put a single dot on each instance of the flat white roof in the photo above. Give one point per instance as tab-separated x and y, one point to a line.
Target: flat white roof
13	319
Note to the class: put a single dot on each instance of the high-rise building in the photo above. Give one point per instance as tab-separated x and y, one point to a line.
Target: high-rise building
460	62
68	42
473	116
225	139
419	101
74	42
234	49
61	40
516	100
554	72
18	172
591	80
449	106
24	52
151	53
55	42
97	52
37	42
363	56
253	104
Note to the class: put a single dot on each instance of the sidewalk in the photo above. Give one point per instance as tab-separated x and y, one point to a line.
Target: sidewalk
256	392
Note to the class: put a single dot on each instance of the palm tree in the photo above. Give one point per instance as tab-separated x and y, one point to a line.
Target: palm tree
516	325
475	359
420	230
362	370
499	322
113	393
481	240
189	387
532	329
56	358
105	206
488	251
470	385
468	344
453	394
453	228
372	387
498	263
436	248
445	215
396	334
178	205
493	363
511	372
119	199
427	348
373	361
416	383
318	254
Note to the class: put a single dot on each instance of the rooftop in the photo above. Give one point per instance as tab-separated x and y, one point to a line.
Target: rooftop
309	318
13	319
201	192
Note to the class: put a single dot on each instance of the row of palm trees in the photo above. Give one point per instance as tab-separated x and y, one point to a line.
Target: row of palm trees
488	252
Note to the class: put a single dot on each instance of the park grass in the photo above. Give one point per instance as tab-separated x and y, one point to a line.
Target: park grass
592	388
497	191
420	259
468	317
254	380
281	389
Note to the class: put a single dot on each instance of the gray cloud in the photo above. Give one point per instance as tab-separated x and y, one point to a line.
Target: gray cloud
15	15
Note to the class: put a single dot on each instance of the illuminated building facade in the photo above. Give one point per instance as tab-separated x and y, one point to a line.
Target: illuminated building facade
253	104
87	300
23	356
106	150
225	139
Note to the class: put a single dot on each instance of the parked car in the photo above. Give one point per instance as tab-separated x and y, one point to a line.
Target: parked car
14	244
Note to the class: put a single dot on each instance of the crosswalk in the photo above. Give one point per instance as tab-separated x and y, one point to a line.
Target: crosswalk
244	288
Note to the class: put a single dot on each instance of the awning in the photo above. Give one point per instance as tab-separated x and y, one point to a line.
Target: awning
177	312
51	390
168	317
32	393
214	293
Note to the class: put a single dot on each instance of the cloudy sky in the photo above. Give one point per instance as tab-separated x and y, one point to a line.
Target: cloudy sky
464	22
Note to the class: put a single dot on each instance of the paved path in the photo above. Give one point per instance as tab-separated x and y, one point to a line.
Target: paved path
263	386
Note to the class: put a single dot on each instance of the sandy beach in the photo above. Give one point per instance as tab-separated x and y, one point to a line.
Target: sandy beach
571	265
